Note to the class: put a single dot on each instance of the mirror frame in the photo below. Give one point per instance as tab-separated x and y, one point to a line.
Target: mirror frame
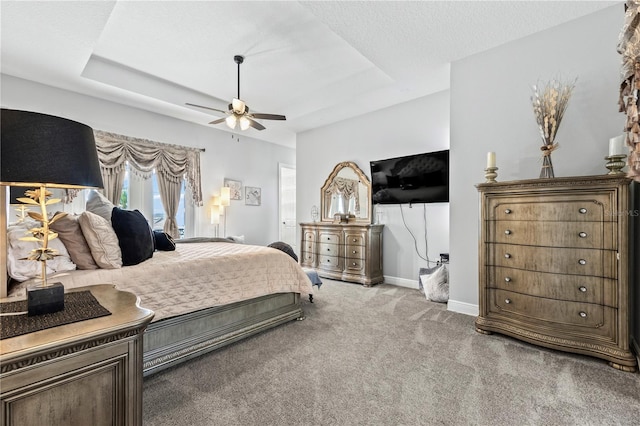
364	180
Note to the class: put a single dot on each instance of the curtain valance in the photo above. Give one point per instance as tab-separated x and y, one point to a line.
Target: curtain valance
172	162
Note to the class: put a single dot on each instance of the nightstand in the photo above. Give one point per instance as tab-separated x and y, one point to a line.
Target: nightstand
84	373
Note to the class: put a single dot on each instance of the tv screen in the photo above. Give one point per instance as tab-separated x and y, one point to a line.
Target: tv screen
419	178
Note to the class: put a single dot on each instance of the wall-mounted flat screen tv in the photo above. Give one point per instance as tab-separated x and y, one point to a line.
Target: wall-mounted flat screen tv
419	178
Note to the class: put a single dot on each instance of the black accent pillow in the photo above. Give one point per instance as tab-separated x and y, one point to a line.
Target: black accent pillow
285	248
134	235
163	241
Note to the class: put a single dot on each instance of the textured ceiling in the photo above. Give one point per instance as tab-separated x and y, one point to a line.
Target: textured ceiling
316	62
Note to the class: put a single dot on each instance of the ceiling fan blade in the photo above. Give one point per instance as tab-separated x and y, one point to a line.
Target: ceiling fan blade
218	121
268	116
204	107
255	124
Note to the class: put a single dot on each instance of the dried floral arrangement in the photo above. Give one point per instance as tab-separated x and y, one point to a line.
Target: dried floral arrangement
549	102
40	197
629	48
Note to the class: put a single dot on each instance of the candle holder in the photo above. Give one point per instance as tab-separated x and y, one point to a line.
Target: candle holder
490	174
615	164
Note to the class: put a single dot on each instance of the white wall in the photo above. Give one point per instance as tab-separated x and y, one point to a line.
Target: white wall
414	127
251	161
491	111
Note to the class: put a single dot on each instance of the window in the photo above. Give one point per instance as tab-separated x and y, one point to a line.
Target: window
144	195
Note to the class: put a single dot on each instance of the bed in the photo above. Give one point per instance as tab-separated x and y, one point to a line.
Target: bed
204	294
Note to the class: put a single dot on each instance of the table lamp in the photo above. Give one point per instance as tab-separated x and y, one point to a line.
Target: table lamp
43	151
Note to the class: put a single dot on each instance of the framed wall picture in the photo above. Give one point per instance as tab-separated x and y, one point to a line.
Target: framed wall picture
252	196
236	188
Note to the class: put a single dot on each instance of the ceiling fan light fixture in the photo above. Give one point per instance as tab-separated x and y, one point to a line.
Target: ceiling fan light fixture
231	121
238	106
244	123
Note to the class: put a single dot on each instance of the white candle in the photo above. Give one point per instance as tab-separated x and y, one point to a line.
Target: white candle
616	145
491	159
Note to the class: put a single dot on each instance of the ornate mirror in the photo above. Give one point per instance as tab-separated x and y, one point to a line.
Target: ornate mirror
346	193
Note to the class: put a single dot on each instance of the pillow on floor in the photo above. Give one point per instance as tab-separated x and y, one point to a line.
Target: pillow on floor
102	240
436	284
135	236
69	232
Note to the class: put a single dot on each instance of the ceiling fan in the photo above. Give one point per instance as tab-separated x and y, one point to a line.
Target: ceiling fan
238	113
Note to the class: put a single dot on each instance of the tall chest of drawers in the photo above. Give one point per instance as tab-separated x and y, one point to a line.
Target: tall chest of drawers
346	252
556	261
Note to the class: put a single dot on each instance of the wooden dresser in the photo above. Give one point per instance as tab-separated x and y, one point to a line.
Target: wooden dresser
556	260
84	373
346	252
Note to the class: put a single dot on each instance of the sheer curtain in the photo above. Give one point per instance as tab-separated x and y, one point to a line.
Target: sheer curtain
172	164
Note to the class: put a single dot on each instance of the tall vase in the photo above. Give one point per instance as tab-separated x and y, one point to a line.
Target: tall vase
547	166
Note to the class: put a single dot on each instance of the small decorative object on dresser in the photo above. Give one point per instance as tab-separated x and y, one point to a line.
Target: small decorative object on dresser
490	173
557	264
549	102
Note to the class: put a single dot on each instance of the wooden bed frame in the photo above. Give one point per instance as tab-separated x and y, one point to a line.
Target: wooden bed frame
171	341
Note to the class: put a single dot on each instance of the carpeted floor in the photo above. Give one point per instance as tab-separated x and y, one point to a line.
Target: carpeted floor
387	356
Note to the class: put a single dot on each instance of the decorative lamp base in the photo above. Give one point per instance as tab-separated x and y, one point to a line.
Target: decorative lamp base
490	174
45	300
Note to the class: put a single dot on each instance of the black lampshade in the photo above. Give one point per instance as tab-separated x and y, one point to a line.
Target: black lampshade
44	150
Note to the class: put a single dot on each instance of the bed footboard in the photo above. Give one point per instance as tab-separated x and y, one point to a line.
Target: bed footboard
174	340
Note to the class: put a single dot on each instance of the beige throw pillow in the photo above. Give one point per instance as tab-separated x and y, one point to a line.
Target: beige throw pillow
69	232
102	240
100	205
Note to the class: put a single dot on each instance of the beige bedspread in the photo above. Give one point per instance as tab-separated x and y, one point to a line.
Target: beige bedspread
196	276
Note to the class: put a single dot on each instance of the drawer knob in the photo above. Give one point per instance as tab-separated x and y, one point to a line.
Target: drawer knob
328	249
582	262
583	314
507	301
353	252
582	289
328	261
507	279
507	211
355	240
507	255
582	210
354	263
508	232
582	235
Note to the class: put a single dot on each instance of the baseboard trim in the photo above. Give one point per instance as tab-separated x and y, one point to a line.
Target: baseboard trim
402	282
463	308
452	305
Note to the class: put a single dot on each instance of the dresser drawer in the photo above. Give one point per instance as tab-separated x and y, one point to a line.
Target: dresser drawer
553	234
330	263
599	263
354	266
354	238
535	309
328	237
309	237
354	252
328	249
577	288
581	208
307	258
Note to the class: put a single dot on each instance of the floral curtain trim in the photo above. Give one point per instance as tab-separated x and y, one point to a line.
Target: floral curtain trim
173	162
629	48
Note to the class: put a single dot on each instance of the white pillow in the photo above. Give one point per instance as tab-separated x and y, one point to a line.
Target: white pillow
22	270
102	240
436	284
100	205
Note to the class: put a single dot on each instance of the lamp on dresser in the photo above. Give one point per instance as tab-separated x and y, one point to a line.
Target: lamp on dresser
43	151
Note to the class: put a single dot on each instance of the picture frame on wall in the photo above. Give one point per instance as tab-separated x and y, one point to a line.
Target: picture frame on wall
252	196
235	187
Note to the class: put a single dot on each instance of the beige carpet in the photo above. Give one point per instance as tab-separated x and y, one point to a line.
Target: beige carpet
386	356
